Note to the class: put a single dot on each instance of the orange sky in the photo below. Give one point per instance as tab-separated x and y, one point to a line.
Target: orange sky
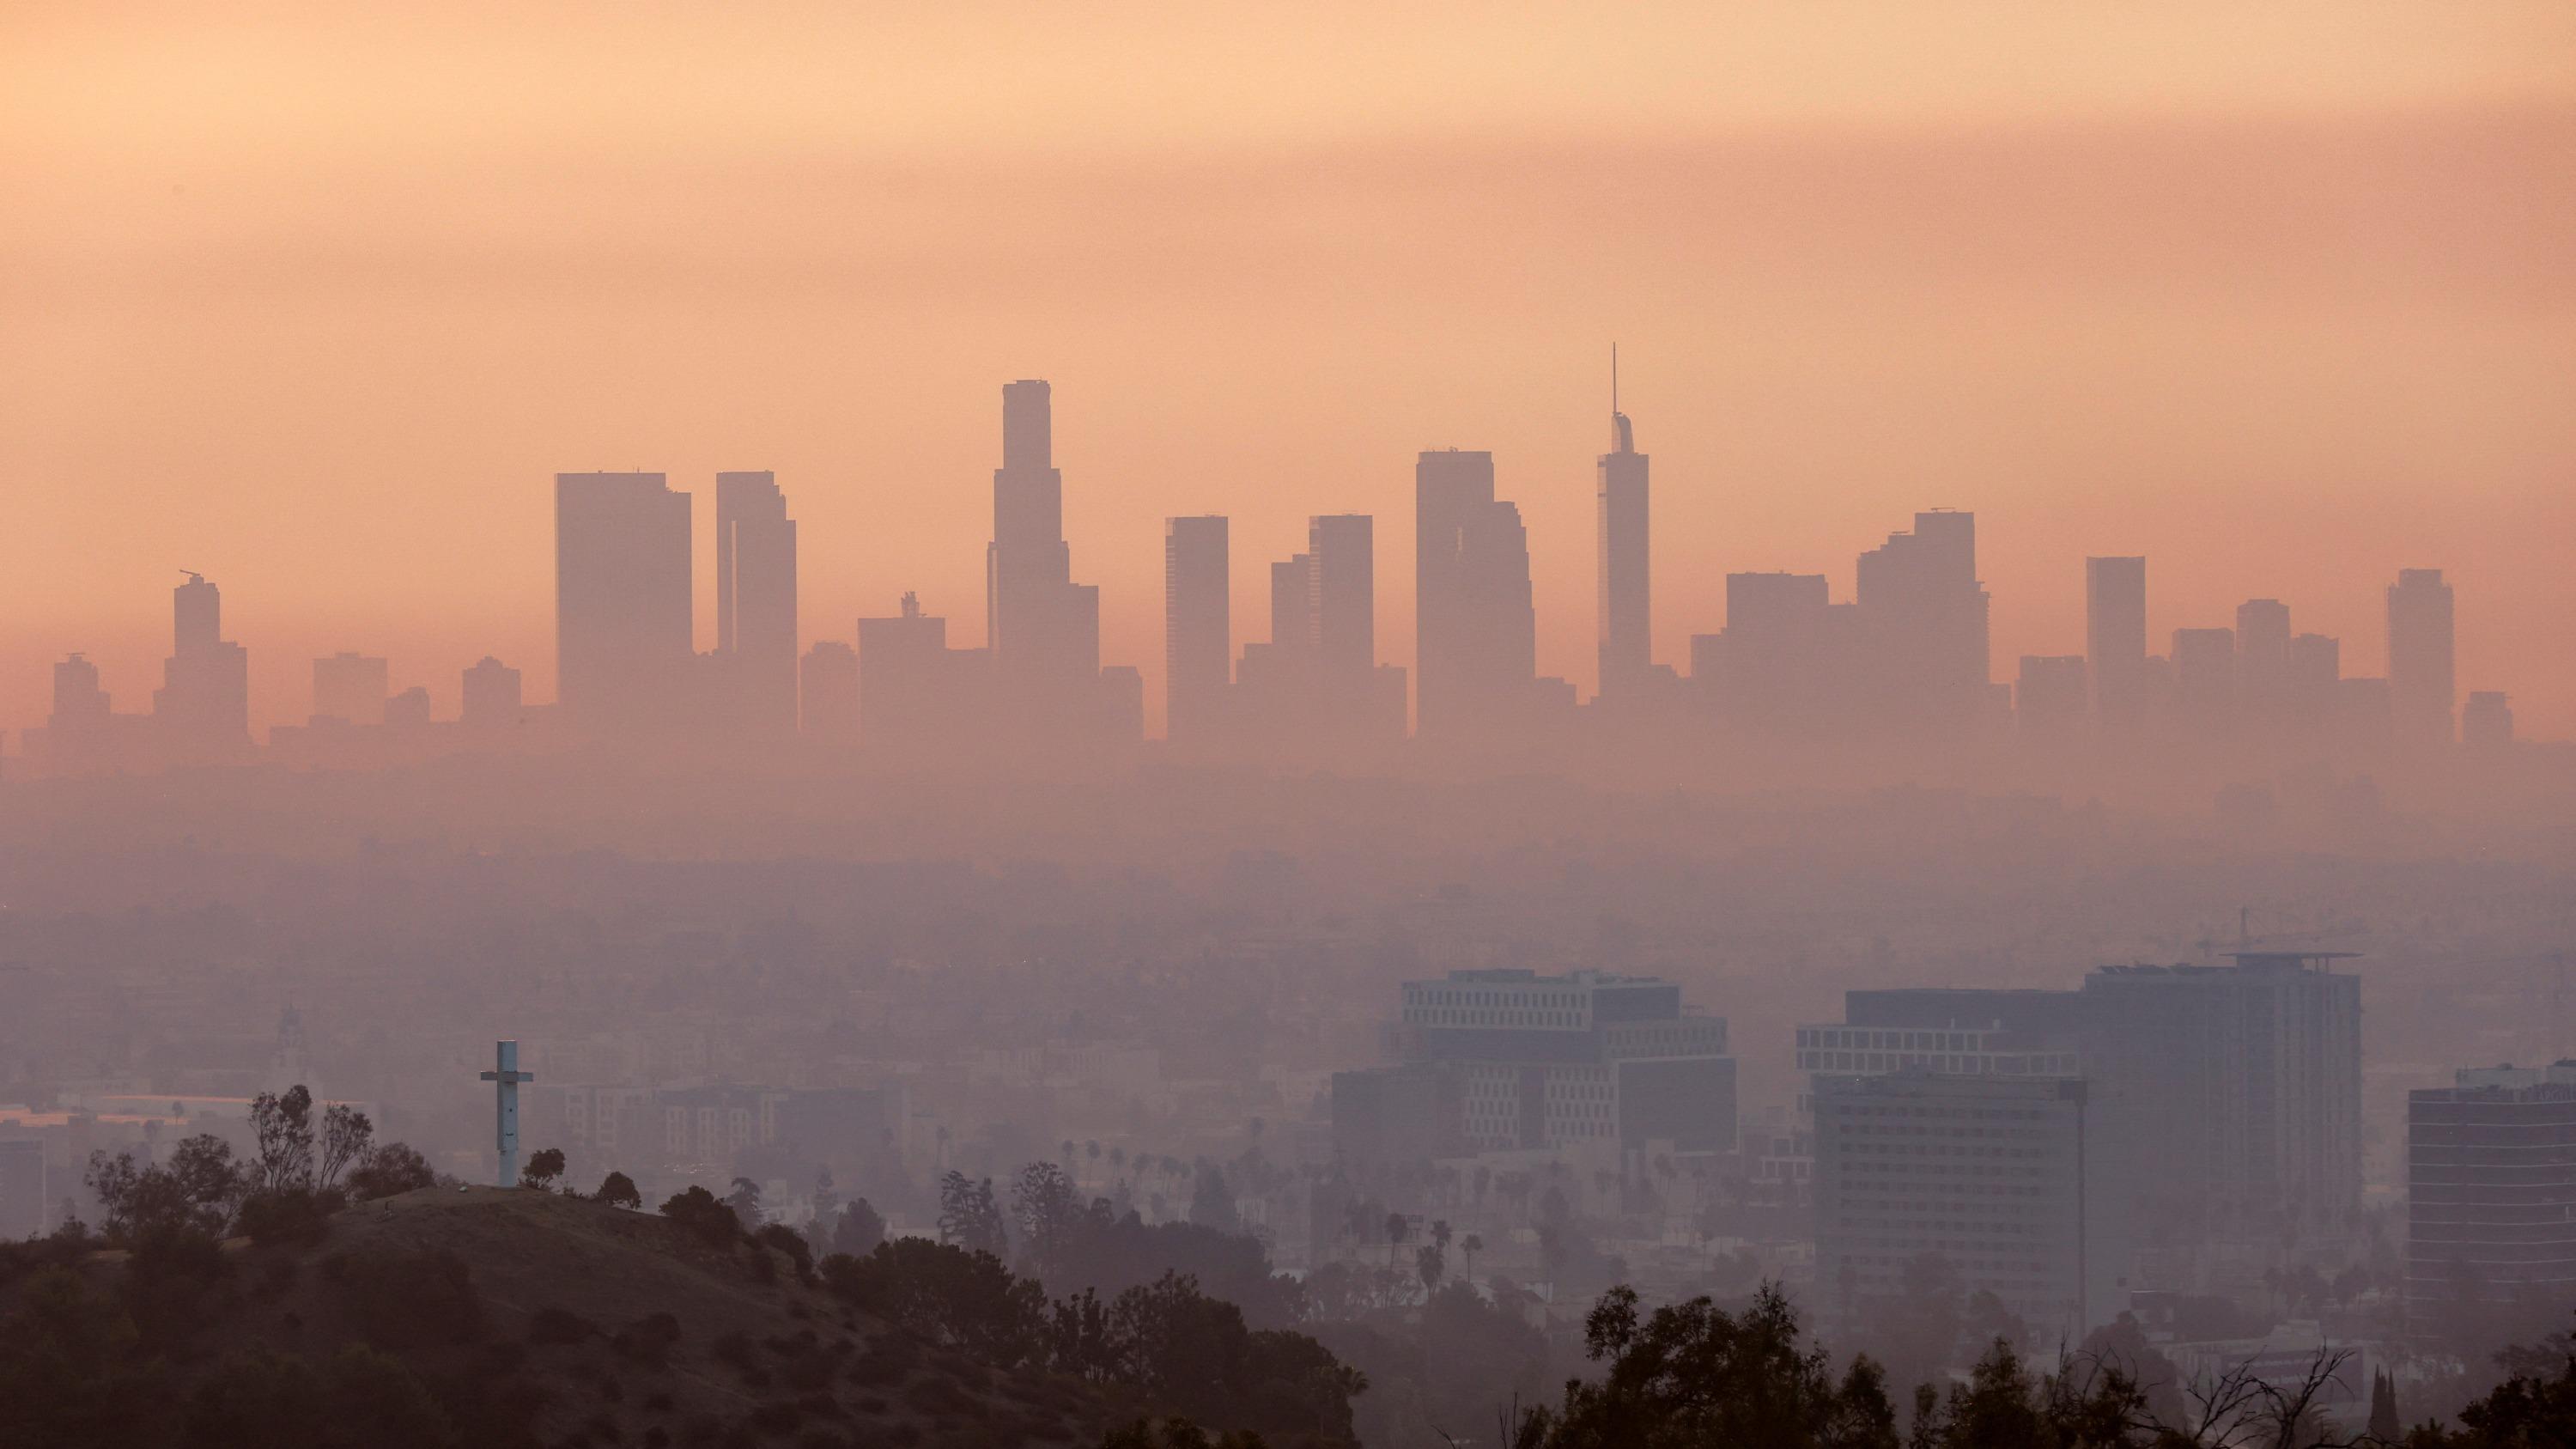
2281	296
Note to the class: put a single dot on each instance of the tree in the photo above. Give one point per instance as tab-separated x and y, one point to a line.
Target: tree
969	1217
1211	1201
1396	1228
283	1128
744	1199
1049	1211
69	1370
1430	1265
2385	1426
1693	1374
390	1168
827	1196
858	1230
542	1169
618	1190
197	1191
957	1297
346	1136
1469	1246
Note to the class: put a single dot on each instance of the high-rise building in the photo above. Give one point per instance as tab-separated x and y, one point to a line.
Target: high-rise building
915	693
490	698
2487	720
2115	638
2234	1092
1198	628
2204	672
1344	548
203	704
2049	699
624	654
2005	1178
1622	519
351	688
1042	628
2263	657
2421	684
2490	1197
1476	637
1775	666
2243	1083
1551	1063
756	603
408	710
1926	614
828	693
80	701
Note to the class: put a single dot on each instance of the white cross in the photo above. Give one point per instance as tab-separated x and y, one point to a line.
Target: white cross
506	1078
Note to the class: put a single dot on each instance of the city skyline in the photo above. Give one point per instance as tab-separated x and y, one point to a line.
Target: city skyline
623	563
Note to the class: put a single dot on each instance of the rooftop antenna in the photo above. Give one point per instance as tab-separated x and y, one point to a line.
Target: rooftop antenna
1614	377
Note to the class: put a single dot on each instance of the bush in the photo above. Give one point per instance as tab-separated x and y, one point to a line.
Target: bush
705	1218
618	1190
787	1240
387	1169
559	1325
648	1341
288	1215
408	1299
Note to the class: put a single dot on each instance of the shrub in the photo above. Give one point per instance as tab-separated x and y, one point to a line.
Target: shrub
705	1218
648	1340
408	1299
559	1325
288	1215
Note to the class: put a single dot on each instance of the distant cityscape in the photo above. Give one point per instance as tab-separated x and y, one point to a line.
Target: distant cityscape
1905	661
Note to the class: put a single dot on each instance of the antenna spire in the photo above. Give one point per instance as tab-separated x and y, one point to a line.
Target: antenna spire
1614	377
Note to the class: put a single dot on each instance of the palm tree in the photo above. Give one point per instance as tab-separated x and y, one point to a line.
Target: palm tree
1396	1228
1469	1246
1440	1234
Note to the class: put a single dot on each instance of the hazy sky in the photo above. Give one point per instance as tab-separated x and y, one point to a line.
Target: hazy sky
317	301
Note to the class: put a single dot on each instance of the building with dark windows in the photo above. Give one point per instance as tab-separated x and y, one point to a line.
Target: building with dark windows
2001	1176
755	605
2422	680
1549	1063
2491	1196
624	656
2233	1092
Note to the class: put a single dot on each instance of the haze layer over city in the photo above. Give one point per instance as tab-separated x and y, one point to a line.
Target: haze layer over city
1161	727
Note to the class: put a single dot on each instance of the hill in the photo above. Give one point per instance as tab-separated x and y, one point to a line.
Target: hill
496	1317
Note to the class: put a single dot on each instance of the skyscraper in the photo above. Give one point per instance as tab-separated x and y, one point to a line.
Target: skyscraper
1475	633
203	704
1344	549
2263	657
2421	684
2115	638
351	688
1198	628
623	647
1040	625
490	697
2491	1169
756	602
1926	611
1626	626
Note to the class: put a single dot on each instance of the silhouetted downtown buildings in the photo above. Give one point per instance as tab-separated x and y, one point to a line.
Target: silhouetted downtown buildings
1900	672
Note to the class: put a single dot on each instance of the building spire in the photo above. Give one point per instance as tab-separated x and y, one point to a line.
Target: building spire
1622	440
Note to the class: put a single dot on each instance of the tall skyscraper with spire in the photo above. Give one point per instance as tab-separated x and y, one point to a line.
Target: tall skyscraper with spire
1627	646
